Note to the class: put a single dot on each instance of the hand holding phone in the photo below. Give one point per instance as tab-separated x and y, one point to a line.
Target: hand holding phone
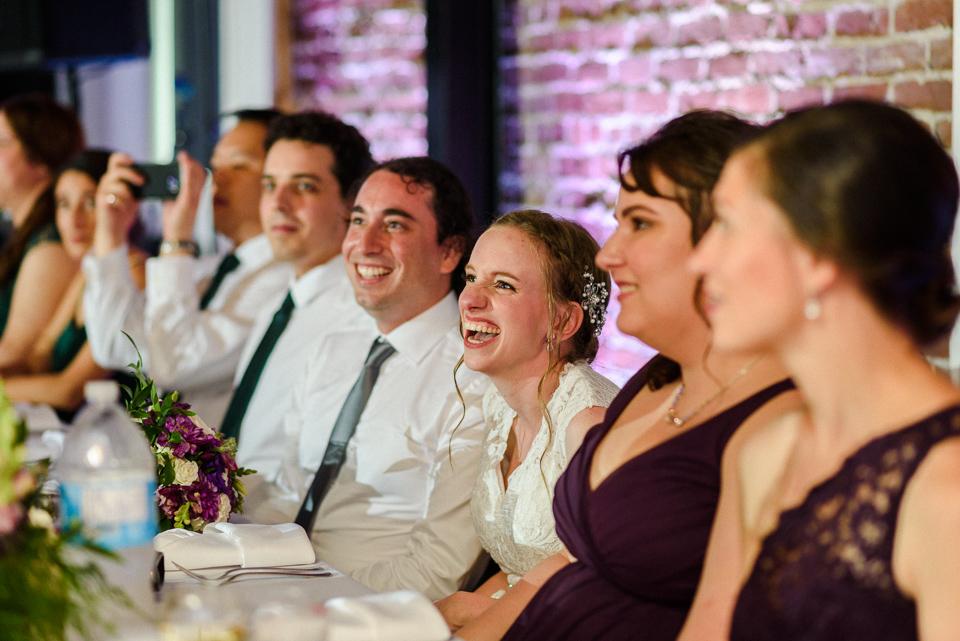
160	181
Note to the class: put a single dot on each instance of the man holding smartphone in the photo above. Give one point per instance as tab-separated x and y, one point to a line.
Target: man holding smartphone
195	316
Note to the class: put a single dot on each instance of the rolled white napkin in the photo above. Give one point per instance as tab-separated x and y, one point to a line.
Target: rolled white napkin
403	615
243	544
39	417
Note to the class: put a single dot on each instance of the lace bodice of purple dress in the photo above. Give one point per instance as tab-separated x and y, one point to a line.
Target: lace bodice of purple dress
824	573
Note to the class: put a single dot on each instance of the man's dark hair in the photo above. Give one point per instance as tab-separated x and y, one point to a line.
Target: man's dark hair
351	151
264	117
449	201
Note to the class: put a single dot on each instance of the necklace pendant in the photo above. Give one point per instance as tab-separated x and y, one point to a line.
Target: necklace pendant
672	418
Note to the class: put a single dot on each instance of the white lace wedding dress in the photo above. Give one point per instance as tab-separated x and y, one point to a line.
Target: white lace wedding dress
515	525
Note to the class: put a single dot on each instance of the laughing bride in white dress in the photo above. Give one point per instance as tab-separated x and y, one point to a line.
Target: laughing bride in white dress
531	312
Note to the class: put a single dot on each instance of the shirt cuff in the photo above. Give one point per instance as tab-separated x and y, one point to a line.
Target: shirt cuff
170	277
113	262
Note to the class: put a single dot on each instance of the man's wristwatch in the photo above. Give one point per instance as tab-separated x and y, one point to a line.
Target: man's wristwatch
169	246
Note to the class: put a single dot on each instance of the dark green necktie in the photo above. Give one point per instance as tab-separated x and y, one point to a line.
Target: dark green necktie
343	429
244	392
229	263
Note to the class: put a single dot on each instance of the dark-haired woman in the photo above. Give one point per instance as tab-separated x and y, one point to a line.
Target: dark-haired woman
635	506
831	251
531	314
37	136
59	362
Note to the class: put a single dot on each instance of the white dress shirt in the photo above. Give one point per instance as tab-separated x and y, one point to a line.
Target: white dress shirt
195	352
323	303
398	515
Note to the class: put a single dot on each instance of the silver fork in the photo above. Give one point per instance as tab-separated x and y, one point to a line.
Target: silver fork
235	573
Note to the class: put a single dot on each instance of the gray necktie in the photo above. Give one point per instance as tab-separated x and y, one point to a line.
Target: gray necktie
342	431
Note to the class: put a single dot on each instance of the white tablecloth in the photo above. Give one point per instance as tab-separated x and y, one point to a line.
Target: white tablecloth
252	594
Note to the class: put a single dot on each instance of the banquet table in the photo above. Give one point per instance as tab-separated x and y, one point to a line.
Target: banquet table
252	594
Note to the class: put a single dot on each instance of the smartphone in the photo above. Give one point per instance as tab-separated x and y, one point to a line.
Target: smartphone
160	181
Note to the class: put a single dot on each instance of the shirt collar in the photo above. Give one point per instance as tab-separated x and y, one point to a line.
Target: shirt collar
255	252
320	280
419	335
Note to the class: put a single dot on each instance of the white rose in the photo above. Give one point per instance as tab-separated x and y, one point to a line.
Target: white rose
203	426
40	518
186	472
224	513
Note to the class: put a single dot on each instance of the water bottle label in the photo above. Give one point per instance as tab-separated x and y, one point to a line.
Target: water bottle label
116	513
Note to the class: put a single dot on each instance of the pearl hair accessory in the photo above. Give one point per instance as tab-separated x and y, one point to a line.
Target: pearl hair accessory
594	302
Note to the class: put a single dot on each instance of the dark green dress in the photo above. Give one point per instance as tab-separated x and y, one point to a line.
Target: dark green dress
66	348
46	234
68	345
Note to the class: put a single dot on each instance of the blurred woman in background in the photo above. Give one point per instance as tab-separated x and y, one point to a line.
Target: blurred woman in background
37	136
60	362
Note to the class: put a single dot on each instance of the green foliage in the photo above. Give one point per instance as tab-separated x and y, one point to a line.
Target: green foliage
43	593
181	441
145	405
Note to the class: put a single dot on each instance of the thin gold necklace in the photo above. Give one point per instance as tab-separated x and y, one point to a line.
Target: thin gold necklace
678	421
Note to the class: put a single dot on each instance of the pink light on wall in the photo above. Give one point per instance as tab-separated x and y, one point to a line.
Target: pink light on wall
582	79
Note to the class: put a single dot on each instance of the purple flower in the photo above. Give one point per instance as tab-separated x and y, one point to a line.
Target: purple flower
193	437
206	499
203	496
213	467
170	497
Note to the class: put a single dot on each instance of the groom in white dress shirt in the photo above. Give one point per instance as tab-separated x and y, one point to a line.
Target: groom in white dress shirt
398	514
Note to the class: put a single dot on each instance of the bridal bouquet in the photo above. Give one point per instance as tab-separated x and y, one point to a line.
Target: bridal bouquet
198	480
42	592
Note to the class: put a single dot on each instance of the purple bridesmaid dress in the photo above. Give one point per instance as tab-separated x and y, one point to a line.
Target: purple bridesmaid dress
824	573
640	537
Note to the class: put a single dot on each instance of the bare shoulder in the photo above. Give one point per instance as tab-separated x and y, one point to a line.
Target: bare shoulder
926	553
46	254
762	455
581	424
933	494
45	274
772	427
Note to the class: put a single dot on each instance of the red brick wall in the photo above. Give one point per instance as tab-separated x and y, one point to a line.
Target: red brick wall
584	78
592	76
363	61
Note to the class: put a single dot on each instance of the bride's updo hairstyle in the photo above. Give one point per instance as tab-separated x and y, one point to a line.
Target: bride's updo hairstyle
690	151
569	269
864	184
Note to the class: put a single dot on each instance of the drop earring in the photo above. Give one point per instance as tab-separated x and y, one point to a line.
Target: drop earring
811	309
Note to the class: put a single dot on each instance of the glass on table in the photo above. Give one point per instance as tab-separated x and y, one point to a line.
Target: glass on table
202	613
289	622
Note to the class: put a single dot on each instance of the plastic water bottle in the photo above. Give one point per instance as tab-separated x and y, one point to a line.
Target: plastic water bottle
107	473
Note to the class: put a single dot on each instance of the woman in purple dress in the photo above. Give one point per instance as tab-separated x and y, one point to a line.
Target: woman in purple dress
635	505
830	249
